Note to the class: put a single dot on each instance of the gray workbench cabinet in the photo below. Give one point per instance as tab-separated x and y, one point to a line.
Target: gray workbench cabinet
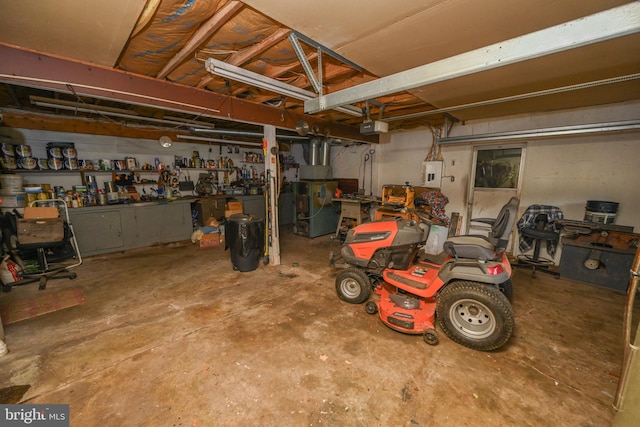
103	229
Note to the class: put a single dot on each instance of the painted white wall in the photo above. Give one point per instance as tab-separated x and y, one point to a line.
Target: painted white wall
566	172
357	162
563	172
400	160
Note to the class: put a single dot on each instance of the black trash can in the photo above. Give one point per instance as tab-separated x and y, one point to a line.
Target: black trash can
244	236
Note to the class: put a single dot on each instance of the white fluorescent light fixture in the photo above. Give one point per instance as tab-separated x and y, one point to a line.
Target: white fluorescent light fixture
91	110
248	134
225	141
228	71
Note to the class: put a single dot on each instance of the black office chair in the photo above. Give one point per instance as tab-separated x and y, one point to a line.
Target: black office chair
537	225
39	247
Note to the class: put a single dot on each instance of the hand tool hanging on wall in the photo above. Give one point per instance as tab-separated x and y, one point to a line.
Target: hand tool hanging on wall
371	152
364	172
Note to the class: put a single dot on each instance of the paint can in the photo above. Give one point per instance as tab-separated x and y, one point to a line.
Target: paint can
601	212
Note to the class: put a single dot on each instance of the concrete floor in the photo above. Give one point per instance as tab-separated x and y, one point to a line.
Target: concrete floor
172	336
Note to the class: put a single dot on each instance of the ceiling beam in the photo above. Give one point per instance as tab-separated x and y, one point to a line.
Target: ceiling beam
277	71
316	82
32	69
244	55
21	120
617	22
14	96
203	33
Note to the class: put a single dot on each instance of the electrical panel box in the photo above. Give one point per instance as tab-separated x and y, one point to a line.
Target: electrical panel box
432	174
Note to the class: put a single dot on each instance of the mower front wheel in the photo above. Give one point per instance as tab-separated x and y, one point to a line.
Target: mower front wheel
475	315
430	336
353	286
371	307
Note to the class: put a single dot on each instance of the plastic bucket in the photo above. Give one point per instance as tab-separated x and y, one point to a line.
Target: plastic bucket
11	184
602	207
16	200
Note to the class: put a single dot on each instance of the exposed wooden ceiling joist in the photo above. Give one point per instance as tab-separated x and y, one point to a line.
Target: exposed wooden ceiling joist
205	31
168	40
245	55
42	71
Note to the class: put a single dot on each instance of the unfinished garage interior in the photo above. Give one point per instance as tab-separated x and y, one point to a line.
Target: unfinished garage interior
329	213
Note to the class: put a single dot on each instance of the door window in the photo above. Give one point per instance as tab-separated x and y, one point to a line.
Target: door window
498	168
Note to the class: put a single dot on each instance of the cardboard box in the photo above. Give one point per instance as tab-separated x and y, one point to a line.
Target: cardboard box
42	230
210	240
234	206
31	212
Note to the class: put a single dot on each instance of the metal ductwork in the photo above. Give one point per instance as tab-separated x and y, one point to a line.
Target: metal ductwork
317	152
325	152
314	151
317	155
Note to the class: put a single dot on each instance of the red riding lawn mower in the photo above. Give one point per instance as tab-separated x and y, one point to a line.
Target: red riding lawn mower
467	288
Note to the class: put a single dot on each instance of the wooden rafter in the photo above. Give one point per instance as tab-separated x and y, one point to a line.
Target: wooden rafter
245	55
277	71
205	31
90	80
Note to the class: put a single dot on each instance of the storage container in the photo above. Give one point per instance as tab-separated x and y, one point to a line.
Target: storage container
601	212
11	184
13	200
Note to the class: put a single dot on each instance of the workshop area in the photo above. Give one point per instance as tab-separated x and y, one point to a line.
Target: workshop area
225	212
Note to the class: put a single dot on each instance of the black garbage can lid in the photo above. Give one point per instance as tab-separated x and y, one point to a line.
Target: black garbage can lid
602	206
244	218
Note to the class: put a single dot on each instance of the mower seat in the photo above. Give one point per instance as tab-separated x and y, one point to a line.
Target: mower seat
473	247
490	247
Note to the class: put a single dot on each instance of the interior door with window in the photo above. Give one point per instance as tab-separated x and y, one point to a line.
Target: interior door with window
497	176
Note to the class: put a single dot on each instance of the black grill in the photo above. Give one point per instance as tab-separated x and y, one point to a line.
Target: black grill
406	281
402	323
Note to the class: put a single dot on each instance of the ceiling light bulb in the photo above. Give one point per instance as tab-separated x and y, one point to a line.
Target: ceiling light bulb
165	141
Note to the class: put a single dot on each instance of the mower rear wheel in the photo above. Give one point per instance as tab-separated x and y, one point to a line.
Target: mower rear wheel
475	315
353	285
